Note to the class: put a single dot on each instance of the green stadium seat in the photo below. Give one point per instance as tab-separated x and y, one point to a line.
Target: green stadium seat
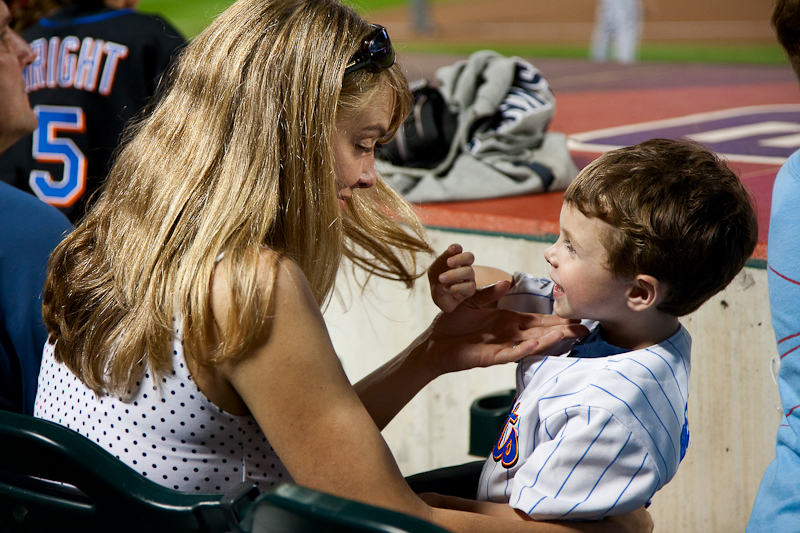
54	480
487	416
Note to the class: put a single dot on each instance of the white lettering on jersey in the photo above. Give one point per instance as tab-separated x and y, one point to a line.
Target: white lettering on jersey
68	61
52	63
72	63
114	52
36	72
89	64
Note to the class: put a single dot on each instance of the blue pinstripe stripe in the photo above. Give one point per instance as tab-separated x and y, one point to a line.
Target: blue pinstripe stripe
488	478
660	387
673	373
547	430
626	487
543	398
563	434
556	375
684	333
565	424
601	475
658	417
507	488
566	479
637	419
535	504
528	294
538	367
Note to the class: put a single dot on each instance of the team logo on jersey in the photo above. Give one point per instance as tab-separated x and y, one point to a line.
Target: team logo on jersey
506	450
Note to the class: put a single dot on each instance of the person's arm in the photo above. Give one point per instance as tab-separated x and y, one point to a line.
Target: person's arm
295	387
498	510
485	276
638	520
293	384
470	337
473	334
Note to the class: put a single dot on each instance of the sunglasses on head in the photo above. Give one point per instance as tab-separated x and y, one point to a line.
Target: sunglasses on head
376	52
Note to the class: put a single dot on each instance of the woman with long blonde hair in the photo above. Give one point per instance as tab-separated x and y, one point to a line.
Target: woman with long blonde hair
186	336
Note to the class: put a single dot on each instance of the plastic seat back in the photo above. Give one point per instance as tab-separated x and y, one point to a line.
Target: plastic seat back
292	508
102	494
54	479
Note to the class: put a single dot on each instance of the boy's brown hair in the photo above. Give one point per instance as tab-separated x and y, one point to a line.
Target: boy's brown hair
682	216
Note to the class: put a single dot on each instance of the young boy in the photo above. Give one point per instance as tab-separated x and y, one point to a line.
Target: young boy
647	234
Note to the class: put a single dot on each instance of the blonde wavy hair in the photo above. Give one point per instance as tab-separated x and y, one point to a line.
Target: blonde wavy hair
237	154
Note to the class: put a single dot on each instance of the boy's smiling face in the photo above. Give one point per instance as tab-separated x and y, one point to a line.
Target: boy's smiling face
585	287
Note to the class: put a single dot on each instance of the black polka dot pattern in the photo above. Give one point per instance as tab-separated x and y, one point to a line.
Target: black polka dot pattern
168	431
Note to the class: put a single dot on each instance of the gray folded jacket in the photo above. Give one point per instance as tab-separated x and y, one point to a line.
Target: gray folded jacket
501	146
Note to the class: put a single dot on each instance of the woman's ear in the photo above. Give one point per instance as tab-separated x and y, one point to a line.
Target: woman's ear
646	292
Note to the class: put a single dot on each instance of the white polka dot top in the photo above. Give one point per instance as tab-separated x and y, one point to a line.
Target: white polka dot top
171	434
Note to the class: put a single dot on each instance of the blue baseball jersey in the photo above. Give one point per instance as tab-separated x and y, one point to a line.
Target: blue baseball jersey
589	437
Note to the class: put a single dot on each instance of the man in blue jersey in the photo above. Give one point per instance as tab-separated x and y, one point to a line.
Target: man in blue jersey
648	233
777	505
29	230
97	64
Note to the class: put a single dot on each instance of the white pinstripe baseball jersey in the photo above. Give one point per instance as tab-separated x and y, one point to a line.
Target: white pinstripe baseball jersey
590	437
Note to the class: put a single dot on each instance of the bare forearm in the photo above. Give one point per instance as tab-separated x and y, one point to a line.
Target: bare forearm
389	388
459	514
459	521
487	275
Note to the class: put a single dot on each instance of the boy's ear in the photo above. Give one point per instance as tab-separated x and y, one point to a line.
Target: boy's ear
645	292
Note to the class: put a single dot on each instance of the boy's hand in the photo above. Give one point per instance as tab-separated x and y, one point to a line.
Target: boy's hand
452	278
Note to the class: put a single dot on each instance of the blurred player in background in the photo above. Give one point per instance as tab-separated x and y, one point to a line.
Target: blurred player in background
97	64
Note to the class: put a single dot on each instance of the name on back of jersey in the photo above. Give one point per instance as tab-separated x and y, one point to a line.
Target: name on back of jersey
88	65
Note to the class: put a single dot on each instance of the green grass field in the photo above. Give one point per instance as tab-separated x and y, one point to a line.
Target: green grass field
191	16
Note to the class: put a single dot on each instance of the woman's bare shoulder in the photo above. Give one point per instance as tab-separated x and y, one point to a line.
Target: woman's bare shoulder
275	273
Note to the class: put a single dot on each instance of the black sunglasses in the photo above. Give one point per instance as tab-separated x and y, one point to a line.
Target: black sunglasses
376	52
